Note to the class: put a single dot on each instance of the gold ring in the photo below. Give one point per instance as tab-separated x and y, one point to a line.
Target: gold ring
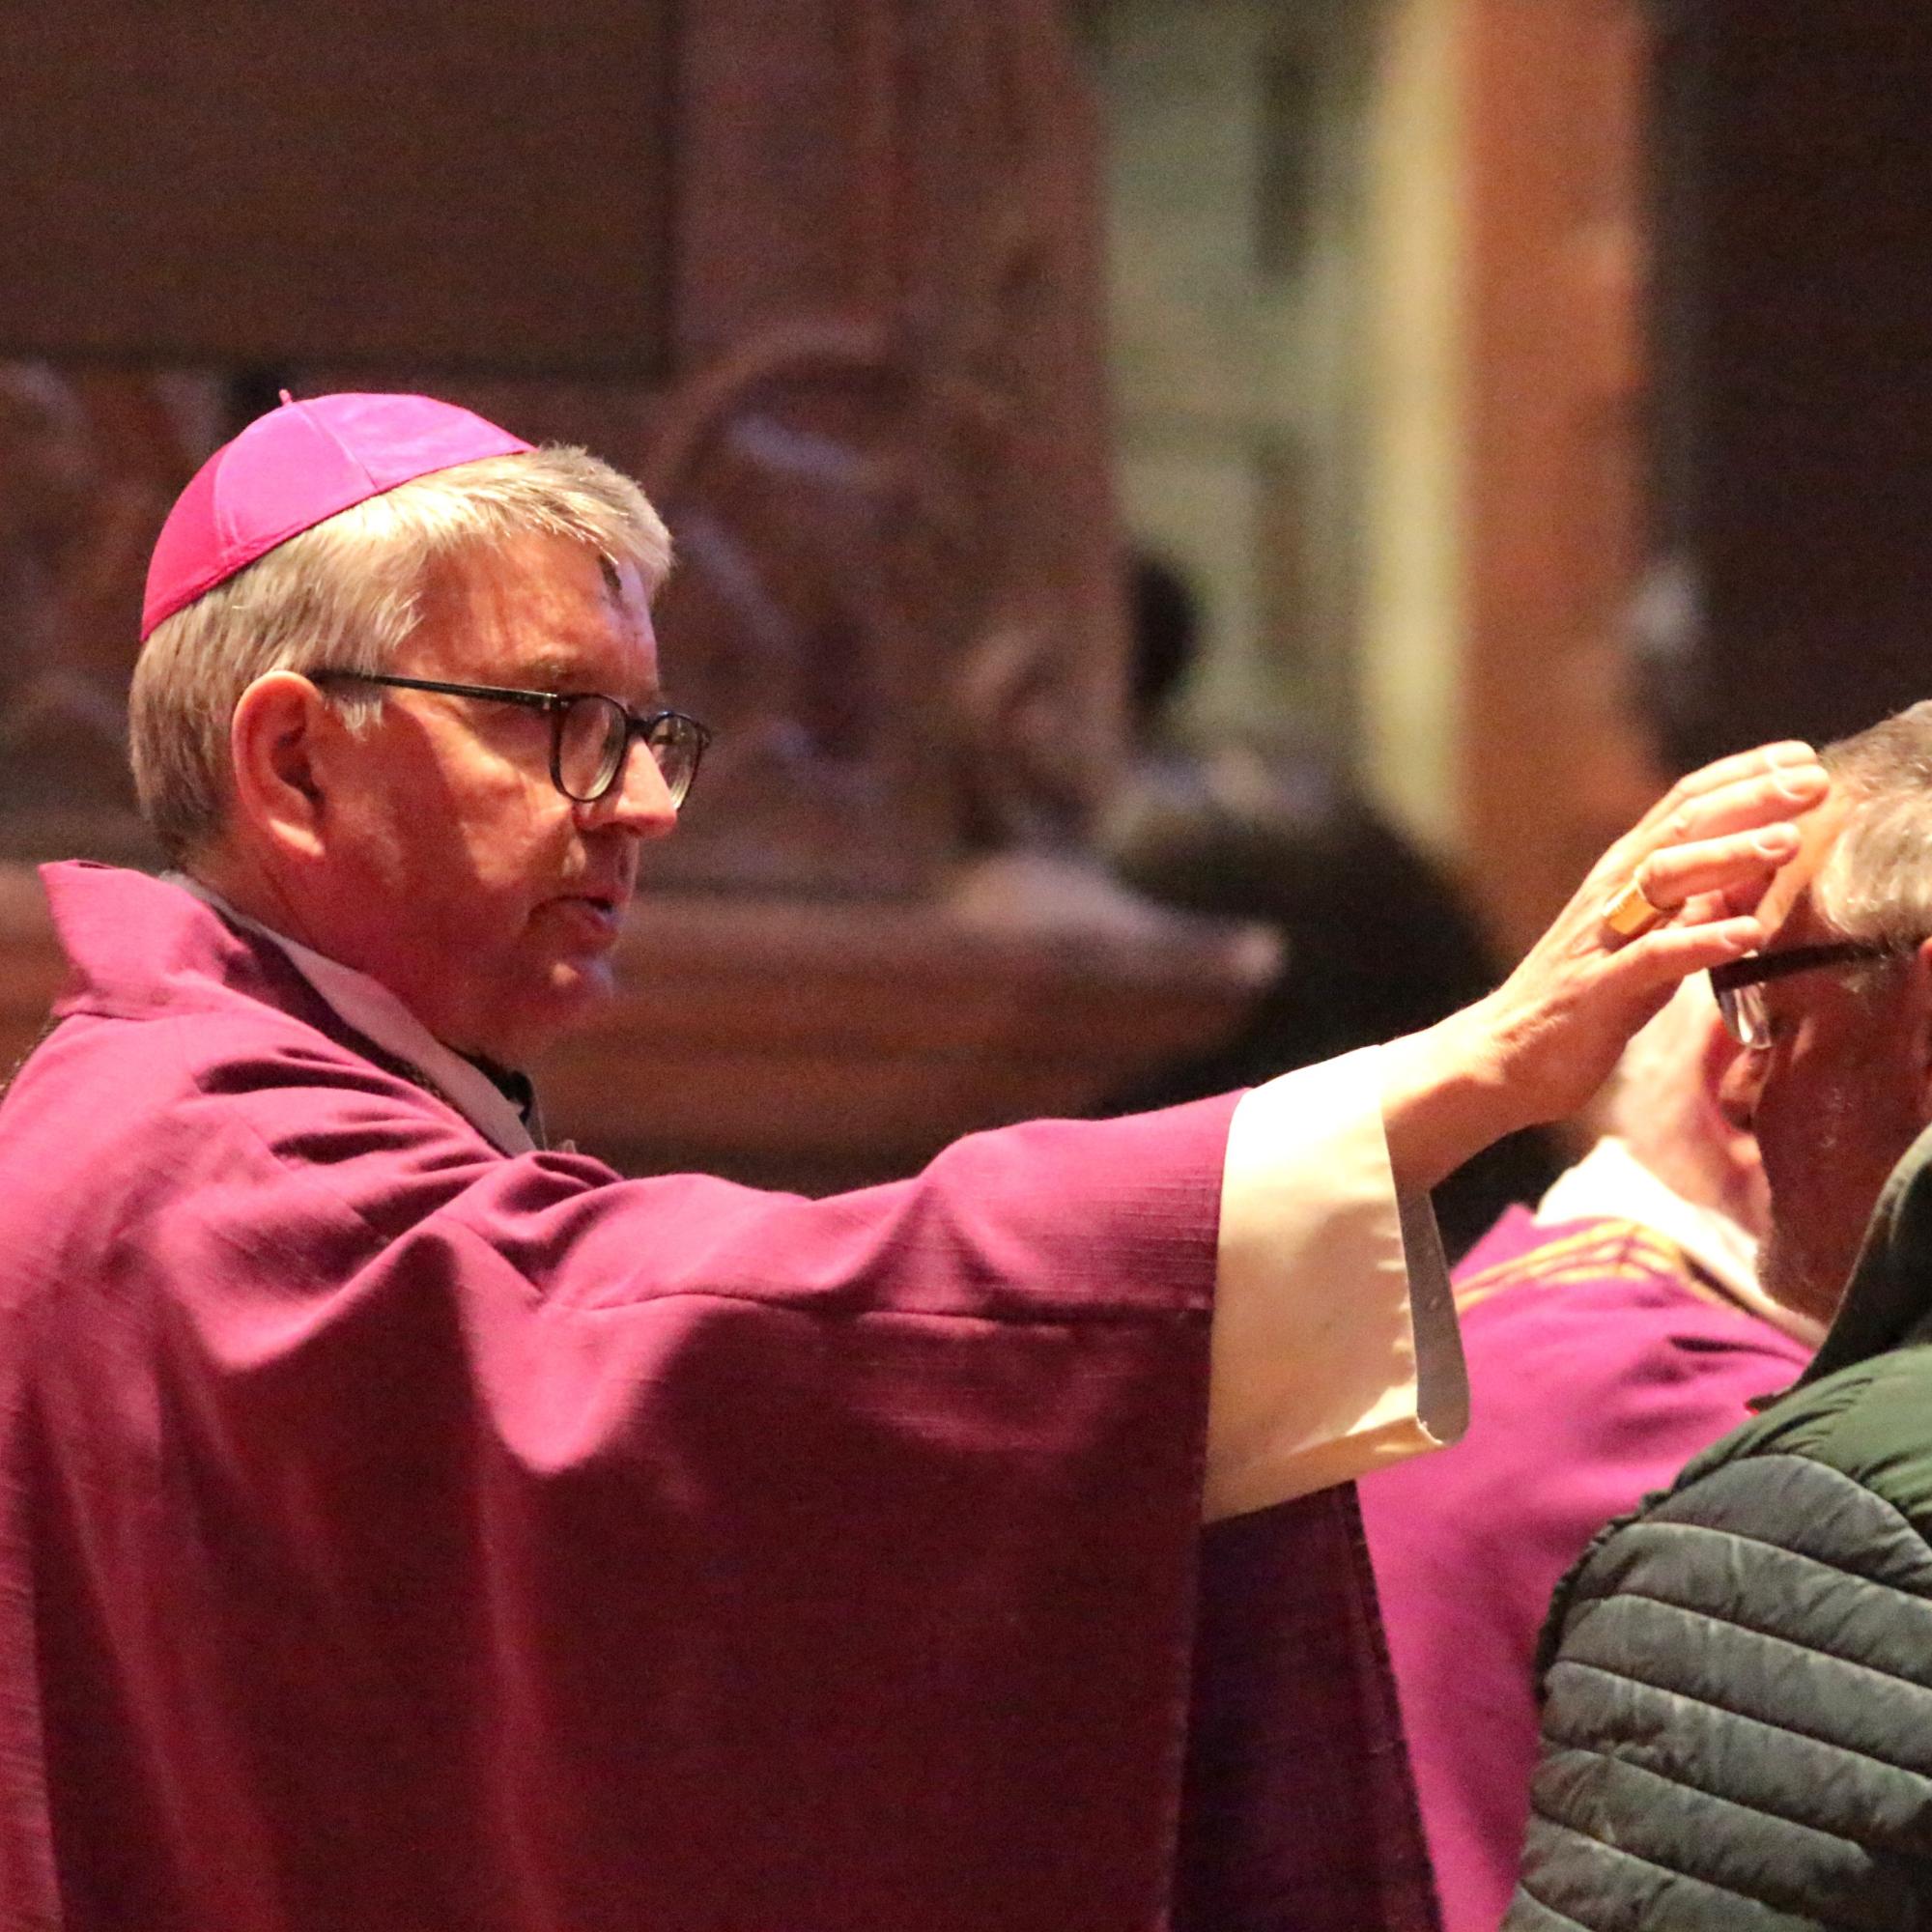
1632	911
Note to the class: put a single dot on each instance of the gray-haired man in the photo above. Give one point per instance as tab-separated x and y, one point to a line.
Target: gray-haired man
1738	1680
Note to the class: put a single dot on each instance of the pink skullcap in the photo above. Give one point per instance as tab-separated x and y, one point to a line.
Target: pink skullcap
295	468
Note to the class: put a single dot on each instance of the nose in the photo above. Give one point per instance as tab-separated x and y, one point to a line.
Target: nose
1739	1090
640	802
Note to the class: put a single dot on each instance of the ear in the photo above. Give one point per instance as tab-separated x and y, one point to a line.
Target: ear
278	742
1918	993
1735	1143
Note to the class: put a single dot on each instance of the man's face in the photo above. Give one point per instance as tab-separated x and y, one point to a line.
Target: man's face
457	875
1834	1099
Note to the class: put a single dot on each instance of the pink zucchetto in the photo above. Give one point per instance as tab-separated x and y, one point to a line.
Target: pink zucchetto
292	468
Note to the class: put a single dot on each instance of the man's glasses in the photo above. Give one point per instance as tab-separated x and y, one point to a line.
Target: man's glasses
589	734
1738	984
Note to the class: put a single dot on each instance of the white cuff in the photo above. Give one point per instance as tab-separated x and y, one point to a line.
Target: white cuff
1334	1347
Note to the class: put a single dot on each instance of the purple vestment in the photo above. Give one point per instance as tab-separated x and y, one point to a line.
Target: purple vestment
399	1536
1599	1364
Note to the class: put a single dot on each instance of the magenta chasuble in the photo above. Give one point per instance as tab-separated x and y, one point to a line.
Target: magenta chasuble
1600	1362
401	1536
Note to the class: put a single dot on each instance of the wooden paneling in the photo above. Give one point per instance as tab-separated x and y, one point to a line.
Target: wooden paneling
30	965
1811	362
247	182
1553	762
823	1047
1785	428
89	462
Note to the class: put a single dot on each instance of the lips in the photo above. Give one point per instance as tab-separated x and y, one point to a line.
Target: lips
599	916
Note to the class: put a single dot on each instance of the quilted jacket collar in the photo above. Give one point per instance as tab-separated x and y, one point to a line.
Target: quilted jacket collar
1890	1301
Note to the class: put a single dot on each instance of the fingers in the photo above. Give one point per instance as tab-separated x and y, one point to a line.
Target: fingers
1790	767
1669	953
1738	866
1771	787
1744	898
1734	901
1678	893
1767	799
1711	847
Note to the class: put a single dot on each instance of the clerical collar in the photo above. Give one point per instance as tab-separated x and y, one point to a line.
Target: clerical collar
499	1103
516	1087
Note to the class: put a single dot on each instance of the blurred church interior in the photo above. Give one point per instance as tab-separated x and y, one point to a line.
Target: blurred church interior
1524	398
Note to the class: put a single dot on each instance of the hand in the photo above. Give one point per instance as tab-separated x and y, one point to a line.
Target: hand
1545	1040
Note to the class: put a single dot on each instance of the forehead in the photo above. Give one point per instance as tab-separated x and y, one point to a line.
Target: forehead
1789	914
541	611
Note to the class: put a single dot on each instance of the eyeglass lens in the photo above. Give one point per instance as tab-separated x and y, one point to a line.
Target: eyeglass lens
591	736
1744	1014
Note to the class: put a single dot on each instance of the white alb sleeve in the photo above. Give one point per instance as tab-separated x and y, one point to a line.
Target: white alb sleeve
1334	1347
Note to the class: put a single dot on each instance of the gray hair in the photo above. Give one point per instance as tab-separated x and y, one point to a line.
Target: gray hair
349	594
1876	882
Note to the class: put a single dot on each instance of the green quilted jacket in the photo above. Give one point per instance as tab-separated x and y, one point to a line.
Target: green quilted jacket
1737	1681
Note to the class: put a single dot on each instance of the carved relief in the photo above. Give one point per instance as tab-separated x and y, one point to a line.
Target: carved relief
897	569
88	466
853	599
881	450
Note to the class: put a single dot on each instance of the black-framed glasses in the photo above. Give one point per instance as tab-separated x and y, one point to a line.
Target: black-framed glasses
1739	984
589	734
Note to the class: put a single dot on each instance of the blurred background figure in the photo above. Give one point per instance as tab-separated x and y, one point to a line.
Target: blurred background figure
1377	939
1613	1332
